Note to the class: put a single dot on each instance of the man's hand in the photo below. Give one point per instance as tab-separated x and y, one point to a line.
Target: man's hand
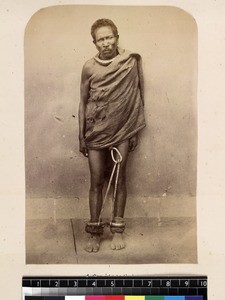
83	147
133	143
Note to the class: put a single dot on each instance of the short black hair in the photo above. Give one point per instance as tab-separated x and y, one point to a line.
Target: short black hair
101	23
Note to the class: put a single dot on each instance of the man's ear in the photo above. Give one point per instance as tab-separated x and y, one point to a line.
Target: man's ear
117	39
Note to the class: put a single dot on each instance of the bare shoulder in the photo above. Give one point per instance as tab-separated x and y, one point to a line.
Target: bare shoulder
88	68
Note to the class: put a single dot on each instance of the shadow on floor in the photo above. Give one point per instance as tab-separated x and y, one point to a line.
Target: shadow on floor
173	240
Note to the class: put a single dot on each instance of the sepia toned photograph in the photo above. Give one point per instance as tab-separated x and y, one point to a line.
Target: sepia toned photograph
111	135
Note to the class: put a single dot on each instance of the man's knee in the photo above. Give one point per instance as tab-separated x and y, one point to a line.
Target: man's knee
97	185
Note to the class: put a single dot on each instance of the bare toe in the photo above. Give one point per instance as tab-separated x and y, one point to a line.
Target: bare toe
117	242
88	247
93	244
113	246
95	248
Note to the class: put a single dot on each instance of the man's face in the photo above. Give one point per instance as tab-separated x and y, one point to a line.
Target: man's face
106	42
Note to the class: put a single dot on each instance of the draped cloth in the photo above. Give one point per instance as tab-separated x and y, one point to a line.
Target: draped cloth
114	111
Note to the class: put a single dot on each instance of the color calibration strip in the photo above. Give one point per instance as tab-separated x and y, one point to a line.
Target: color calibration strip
114	298
113	288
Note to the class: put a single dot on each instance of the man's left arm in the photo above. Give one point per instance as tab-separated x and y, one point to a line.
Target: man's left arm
141	77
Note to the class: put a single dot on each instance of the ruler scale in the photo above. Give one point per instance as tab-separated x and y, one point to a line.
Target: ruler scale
114	288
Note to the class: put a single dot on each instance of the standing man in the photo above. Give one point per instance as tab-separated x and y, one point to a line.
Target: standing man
110	115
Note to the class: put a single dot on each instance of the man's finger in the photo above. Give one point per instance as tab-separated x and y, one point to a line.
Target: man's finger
85	152
131	146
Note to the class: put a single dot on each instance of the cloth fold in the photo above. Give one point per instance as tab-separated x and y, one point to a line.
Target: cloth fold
114	111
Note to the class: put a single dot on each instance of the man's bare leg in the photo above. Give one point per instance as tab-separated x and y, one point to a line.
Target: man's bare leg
121	197
96	161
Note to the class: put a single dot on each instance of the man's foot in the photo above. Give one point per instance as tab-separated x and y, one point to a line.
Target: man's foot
117	242
93	243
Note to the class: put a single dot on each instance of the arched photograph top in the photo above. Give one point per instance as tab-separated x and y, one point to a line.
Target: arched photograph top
111	135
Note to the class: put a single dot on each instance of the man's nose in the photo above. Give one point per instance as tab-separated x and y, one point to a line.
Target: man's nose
105	43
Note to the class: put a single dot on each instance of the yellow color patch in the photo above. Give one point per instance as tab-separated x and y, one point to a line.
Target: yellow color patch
134	297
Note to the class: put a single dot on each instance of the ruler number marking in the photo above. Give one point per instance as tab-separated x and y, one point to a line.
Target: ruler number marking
168	283
203	283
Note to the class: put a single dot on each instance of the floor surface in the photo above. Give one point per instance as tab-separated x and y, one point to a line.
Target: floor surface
148	241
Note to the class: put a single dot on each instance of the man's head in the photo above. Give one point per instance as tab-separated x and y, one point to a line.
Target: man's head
102	23
105	37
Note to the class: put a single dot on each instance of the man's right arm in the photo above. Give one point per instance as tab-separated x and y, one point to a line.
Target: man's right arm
84	94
